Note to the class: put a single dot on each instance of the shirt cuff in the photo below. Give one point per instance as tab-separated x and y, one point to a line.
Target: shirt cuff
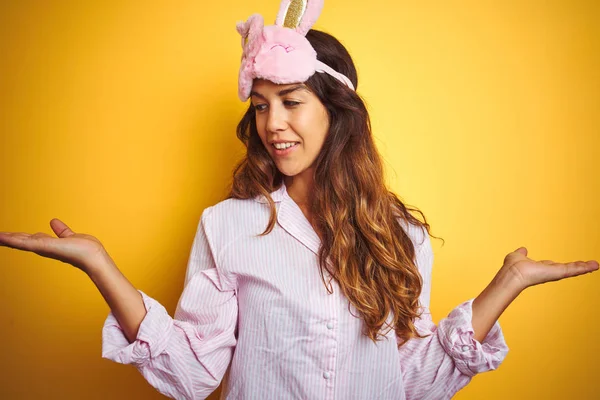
151	339
456	335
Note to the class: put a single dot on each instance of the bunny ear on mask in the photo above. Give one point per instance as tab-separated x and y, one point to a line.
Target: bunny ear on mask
299	15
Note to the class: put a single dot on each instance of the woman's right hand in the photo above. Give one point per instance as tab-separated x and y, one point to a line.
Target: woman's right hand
88	254
78	249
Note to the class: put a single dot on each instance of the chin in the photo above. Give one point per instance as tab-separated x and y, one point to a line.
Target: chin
289	170
288	173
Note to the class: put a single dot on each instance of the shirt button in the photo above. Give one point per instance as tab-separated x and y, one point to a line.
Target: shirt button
330	325
326	375
466	348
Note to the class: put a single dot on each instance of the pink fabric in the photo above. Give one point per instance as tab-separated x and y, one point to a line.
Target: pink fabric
274	53
255	313
278	54
285	56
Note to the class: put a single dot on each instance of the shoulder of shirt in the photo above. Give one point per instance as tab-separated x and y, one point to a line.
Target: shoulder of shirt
235	208
232	218
417	234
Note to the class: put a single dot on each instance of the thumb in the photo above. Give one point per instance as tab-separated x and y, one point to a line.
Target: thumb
60	228
521	250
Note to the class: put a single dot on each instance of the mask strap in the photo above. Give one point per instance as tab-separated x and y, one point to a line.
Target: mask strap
324	68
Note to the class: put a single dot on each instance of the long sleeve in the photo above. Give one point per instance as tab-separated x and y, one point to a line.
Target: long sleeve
188	355
438	366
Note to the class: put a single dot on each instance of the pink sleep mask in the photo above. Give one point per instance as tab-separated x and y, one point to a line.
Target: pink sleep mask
281	53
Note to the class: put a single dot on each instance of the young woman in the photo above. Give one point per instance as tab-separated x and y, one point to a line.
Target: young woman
312	280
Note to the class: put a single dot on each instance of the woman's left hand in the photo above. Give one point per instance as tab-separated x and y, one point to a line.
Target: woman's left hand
527	272
517	274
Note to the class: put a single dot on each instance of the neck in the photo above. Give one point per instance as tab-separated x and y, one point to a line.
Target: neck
299	186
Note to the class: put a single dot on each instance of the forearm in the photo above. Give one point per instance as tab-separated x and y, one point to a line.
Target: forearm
491	303
121	296
440	364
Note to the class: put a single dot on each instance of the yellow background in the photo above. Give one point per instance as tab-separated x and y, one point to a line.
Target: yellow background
118	117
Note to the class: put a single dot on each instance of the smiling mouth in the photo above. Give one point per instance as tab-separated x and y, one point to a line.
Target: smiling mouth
283	151
284	146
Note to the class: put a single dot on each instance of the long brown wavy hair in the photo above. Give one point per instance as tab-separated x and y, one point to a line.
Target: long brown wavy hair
357	218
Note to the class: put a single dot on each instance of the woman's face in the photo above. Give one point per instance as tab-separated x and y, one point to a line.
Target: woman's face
292	124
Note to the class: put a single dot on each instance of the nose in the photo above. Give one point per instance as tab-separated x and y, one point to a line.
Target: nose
276	119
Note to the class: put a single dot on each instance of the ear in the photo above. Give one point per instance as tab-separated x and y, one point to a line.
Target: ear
299	14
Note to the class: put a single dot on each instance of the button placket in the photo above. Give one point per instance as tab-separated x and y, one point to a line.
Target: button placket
330	323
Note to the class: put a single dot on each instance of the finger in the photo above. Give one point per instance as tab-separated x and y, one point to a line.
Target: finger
41	235
515	255
24	241
60	228
521	250
10	236
579	267
5	234
8	239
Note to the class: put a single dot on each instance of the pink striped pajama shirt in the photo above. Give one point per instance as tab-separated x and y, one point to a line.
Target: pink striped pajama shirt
255	313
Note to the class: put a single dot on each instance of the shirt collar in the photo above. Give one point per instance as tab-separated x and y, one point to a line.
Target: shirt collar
291	218
278	195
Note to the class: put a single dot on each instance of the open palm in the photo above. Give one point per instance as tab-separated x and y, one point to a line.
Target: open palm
529	272
77	249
